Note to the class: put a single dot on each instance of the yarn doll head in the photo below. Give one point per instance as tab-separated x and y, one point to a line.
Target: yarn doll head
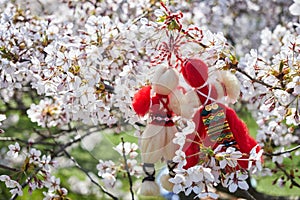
195	73
165	80
224	83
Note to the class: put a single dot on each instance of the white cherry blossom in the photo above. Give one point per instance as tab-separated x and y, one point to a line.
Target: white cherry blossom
229	157
14	150
208	194
279	158
108	179
295	7
106	167
179	182
255	157
52	184
236	180
34	155
127	149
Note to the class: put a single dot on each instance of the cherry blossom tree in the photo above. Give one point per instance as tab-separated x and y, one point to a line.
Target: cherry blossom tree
71	68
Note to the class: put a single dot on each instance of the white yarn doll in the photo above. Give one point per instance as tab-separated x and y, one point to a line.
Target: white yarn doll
156	142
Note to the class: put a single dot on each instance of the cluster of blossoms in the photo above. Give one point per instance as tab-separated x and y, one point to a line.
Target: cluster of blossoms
47	113
108	170
9	183
215	167
85	61
38	168
79	66
272	85
232	16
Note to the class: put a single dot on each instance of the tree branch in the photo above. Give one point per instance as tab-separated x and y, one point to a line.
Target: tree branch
127	169
283	152
53	154
234	66
9	168
14	139
289	176
88	175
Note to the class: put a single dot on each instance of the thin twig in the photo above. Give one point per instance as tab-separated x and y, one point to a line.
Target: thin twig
253	79
53	154
88	175
283	152
249	195
127	169
42	6
9	168
290	177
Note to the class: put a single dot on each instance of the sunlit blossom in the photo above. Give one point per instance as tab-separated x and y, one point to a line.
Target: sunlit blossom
229	157
178	182
255	157
236	180
14	150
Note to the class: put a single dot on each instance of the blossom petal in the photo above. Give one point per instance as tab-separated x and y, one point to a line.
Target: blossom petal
232	187
177	188
295	9
243	185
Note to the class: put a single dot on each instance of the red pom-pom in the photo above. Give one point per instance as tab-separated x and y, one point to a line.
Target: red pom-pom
141	101
195	72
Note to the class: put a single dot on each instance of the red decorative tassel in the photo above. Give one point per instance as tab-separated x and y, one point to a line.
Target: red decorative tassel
241	134
192	151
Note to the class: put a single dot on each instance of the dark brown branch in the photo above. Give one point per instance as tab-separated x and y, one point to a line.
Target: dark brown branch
234	66
283	152
127	169
9	168
289	176
14	139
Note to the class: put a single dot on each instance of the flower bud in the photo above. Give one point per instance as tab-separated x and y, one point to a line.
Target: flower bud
219	156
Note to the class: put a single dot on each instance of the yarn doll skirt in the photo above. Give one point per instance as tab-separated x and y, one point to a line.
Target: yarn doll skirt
156	142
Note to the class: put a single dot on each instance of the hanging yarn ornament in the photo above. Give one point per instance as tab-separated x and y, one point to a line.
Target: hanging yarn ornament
156	141
216	123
